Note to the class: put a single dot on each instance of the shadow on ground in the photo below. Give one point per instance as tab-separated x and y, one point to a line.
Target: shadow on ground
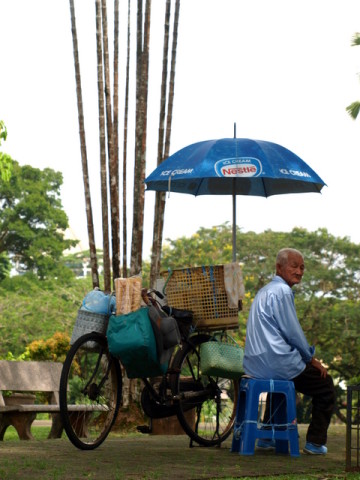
158	457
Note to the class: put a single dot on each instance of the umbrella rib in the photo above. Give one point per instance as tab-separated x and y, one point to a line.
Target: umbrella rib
264	187
198	187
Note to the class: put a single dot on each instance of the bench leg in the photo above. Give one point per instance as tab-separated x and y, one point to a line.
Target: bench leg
3	426
21	421
56	426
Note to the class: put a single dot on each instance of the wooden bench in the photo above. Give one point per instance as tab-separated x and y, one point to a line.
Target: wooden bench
29	377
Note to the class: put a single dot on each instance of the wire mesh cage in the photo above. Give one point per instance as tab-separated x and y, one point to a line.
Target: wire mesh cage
201	290
353	428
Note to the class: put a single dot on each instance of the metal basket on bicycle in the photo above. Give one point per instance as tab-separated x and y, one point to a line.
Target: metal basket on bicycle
201	290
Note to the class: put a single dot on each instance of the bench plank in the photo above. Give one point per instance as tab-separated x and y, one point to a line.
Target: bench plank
30	376
8	408
56	408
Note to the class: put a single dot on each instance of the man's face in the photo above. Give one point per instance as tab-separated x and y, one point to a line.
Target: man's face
293	270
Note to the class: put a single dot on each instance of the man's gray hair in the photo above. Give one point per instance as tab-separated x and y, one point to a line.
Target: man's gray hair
283	255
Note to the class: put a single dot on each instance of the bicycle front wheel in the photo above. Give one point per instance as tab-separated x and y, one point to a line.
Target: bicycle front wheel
90	391
206	405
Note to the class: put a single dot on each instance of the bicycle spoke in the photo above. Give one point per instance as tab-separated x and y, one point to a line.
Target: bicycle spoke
207	405
90	391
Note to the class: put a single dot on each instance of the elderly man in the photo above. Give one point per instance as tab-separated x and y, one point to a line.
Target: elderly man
276	348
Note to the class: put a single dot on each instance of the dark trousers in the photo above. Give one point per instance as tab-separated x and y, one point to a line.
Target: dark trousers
322	392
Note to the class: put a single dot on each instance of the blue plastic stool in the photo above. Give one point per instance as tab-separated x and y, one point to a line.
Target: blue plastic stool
283	426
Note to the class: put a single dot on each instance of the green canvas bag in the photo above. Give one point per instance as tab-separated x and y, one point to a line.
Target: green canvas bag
131	339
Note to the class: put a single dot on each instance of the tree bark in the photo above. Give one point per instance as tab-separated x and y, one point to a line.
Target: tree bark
112	165
163	152
89	215
103	170
126	112
114	181
156	245
142	78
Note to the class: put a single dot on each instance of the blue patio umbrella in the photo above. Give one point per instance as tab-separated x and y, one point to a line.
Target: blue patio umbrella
234	166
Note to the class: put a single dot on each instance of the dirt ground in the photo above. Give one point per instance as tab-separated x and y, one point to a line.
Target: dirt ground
159	457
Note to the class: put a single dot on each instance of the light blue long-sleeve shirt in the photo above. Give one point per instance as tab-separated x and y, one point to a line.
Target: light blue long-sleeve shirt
275	345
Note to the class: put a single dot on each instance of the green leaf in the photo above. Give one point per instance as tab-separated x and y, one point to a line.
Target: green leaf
353	109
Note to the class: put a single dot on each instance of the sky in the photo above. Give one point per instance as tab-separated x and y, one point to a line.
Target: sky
282	70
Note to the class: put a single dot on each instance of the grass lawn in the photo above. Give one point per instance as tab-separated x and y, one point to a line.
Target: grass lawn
39	433
138	456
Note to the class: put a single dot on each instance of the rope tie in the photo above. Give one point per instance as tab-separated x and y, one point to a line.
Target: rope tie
238	428
290	425
212	281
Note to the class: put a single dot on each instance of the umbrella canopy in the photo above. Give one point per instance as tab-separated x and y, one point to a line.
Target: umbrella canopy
234	166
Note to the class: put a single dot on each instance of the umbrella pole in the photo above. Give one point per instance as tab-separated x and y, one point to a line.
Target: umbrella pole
234	213
234	224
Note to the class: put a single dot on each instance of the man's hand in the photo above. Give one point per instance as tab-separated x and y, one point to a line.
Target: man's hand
319	366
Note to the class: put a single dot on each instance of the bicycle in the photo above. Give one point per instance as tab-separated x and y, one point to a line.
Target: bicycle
91	389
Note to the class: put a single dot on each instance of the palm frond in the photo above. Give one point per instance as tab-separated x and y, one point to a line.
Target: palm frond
353	109
356	39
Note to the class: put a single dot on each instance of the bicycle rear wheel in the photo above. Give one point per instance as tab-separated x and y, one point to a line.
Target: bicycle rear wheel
90	391
207	405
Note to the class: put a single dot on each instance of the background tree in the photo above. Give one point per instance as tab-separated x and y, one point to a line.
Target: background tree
126	113
102	144
84	162
5	266
33	309
114	163
109	171
113	168
164	137
142	85
5	172
32	220
354	108
5	159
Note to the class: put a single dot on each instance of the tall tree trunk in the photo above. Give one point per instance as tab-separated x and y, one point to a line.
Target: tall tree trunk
112	165
126	112
172	80
156	246
89	215
103	170
114	188
142	78
160	198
